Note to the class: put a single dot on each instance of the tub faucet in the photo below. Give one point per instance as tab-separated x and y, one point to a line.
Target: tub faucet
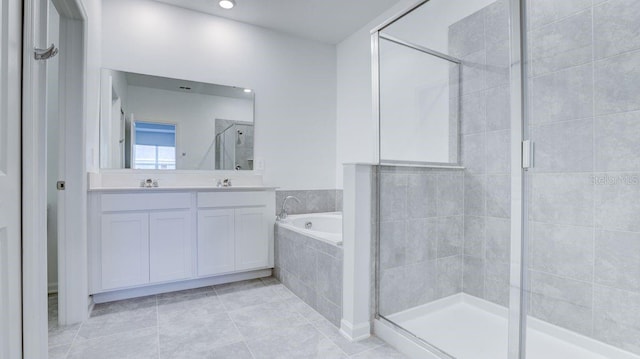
283	212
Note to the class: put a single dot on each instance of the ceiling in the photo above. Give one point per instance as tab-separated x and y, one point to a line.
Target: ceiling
328	21
164	83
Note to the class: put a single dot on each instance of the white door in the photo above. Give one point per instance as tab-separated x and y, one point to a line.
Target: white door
252	240
124	249
216	252
170	246
10	179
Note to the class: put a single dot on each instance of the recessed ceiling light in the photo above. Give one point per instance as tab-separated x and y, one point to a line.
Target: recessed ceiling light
227	4
247	90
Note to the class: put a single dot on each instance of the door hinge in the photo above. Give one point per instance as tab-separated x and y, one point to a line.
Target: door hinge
60	185
527	154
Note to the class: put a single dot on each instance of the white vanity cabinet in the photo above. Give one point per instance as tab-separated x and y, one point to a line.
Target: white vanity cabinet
149	241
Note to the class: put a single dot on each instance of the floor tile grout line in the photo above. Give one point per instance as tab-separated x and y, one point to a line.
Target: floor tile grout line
226	311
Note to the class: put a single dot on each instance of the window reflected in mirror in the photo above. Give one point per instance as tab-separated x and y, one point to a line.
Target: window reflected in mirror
155	146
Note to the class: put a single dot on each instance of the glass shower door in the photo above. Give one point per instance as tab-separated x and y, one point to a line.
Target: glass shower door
444	180
583	270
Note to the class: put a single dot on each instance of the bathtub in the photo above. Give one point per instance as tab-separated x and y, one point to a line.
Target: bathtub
326	227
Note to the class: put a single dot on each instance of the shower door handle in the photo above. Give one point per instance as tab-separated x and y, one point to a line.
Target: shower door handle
527	154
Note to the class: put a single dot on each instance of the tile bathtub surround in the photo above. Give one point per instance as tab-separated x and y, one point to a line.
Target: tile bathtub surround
312	201
267	321
312	270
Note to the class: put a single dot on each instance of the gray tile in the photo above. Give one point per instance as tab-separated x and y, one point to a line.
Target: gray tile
236	351
299	342
392	244
562	199
195	304
562	44
255	321
616	27
331	311
475	188
393	196
138	344
187	292
421	240
421	196
381	352
306	293
563	302
330	278
450	195
499	151
498	64
467	35
304	309
293	206
474	152
194	335
562	95
349	347
618	202
305	268
564	147
117	317
420	283
449	276
245	294
498	196
498	239
542	12
497	22
498	109
474	109
450	234
617	84
474	72
617	260
318	201
496	283
616	142
339	200
392	296
562	250
616	318
59	352
62	334
473	276
474	236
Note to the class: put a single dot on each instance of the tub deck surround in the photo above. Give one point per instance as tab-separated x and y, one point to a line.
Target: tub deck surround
145	241
312	269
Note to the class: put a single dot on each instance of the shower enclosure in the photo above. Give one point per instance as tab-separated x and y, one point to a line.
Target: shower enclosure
234	147
508	184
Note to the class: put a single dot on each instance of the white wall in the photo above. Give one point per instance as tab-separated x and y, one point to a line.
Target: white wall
294	79
93	61
195	116
429	27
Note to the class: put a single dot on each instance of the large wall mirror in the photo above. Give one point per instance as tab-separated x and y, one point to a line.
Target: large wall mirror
150	122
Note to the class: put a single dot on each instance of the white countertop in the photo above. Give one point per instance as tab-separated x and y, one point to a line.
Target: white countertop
183	188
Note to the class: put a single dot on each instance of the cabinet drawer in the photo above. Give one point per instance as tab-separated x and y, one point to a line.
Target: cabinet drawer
234	199
144	201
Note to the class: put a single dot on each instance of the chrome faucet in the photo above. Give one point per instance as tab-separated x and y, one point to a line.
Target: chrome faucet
283	212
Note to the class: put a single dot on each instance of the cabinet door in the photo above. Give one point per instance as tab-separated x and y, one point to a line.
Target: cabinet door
124	249
215	241
170	246
252	240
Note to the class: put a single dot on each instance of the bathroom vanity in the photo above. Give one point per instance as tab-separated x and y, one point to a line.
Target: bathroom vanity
152	240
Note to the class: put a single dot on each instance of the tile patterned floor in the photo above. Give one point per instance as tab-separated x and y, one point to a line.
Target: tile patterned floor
252	319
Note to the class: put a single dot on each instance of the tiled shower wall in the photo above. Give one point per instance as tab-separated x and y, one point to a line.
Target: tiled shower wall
585	187
311	201
481	42
421	236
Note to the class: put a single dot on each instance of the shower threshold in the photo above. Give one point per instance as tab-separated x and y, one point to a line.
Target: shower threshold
467	327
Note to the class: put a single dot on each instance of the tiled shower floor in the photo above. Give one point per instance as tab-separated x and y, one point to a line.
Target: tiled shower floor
251	319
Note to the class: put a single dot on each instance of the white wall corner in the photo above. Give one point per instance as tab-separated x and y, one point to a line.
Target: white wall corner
356	294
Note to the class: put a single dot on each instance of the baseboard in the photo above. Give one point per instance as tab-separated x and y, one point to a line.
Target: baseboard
355	332
176	286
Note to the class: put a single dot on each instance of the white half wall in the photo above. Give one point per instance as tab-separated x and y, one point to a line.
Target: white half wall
294	79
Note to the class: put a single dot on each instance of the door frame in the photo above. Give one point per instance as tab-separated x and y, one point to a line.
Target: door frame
72	254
